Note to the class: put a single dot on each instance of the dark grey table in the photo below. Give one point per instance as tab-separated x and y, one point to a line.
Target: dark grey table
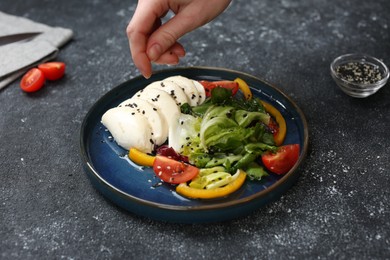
338	209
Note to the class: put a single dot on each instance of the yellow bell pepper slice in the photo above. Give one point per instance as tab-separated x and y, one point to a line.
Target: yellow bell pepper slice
244	88
194	193
141	158
281	135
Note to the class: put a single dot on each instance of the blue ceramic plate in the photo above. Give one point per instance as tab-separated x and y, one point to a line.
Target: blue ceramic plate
137	190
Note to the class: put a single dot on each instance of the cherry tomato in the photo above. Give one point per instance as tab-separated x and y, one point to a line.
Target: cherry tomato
283	160
209	85
173	171
32	81
52	70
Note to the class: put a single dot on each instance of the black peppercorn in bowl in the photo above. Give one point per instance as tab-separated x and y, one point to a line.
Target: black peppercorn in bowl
359	75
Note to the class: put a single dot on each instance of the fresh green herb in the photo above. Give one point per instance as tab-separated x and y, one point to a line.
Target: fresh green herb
186	109
255	171
220	95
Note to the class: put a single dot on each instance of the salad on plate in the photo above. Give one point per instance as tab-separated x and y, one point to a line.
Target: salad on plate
206	138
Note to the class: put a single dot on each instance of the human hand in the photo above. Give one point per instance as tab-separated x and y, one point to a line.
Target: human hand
152	41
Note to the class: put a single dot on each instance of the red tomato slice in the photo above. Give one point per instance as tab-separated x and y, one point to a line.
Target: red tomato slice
228	84
52	70
32	81
283	160
173	171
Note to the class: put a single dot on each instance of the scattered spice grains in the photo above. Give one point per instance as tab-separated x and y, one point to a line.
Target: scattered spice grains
359	72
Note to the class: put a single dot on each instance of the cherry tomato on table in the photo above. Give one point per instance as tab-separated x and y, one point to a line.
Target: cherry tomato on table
209	85
52	70
173	171
283	160
33	80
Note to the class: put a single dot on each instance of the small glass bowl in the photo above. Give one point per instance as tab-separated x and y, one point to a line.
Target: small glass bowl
350	82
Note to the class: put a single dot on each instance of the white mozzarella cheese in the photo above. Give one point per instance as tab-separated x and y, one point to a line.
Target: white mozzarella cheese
172	89
163	101
201	91
188	87
129	129
156	120
180	131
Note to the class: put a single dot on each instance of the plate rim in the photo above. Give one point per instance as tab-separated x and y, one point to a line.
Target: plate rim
223	205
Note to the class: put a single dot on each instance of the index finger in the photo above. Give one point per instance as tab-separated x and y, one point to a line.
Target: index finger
137	42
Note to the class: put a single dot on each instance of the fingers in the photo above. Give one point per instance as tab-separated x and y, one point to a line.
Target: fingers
151	41
144	22
165	38
137	44
172	55
142	60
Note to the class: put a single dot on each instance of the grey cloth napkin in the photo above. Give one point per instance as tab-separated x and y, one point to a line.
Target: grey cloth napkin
16	58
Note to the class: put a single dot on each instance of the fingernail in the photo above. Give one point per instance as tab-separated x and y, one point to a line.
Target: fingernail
154	52
146	74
